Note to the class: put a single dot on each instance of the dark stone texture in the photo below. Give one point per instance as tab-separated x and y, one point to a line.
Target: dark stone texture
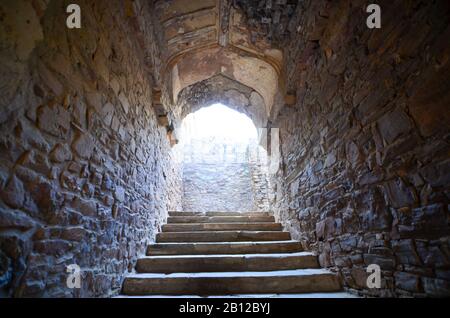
408	282
60	158
375	133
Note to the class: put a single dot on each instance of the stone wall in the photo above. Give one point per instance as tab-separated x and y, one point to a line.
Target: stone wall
86	174
365	170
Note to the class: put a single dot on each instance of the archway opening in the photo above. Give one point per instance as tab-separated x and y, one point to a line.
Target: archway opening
224	167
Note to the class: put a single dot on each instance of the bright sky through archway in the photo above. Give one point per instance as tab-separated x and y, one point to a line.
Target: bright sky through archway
220	121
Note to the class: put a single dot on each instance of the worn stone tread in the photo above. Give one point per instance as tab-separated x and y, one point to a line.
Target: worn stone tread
223	262
218	213
249	226
219	219
224	248
216	283
222	236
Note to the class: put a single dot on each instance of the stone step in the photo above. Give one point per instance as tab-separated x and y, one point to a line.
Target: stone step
224	248
219	283
222	236
219	219
176	213
228	263
189	227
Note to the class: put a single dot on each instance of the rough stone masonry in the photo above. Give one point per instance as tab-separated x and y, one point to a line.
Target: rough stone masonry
85	170
365	167
88	117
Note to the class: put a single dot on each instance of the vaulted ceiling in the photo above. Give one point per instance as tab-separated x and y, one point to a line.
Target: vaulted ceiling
205	38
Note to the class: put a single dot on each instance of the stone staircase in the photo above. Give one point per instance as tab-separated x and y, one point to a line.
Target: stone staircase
227	253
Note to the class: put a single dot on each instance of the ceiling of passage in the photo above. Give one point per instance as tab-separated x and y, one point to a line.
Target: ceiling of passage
204	38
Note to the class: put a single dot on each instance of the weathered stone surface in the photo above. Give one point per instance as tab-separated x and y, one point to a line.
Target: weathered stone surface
407	282
124	102
95	100
312	280
372	133
53	247
16	220
54	119
377	220
74	234
425	222
386	263
6	270
223	236
359	278
437	175
119	194
436	287
224	248
84	146
393	124
13	194
428	100
399	194
220	263
405	252
61	153
432	256
32	136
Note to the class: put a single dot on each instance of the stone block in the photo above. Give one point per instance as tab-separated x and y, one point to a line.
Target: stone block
14	193
119	194
124	102
431	256
31	135
437	174
95	100
49	79
15	220
349	244
386	263
429	222
393	124
406	281
61	153
436	287
325	228
76	233
107	113
53	247
376	220
359	277
399	194
84	146
54	120
85	207
43	197
406	253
